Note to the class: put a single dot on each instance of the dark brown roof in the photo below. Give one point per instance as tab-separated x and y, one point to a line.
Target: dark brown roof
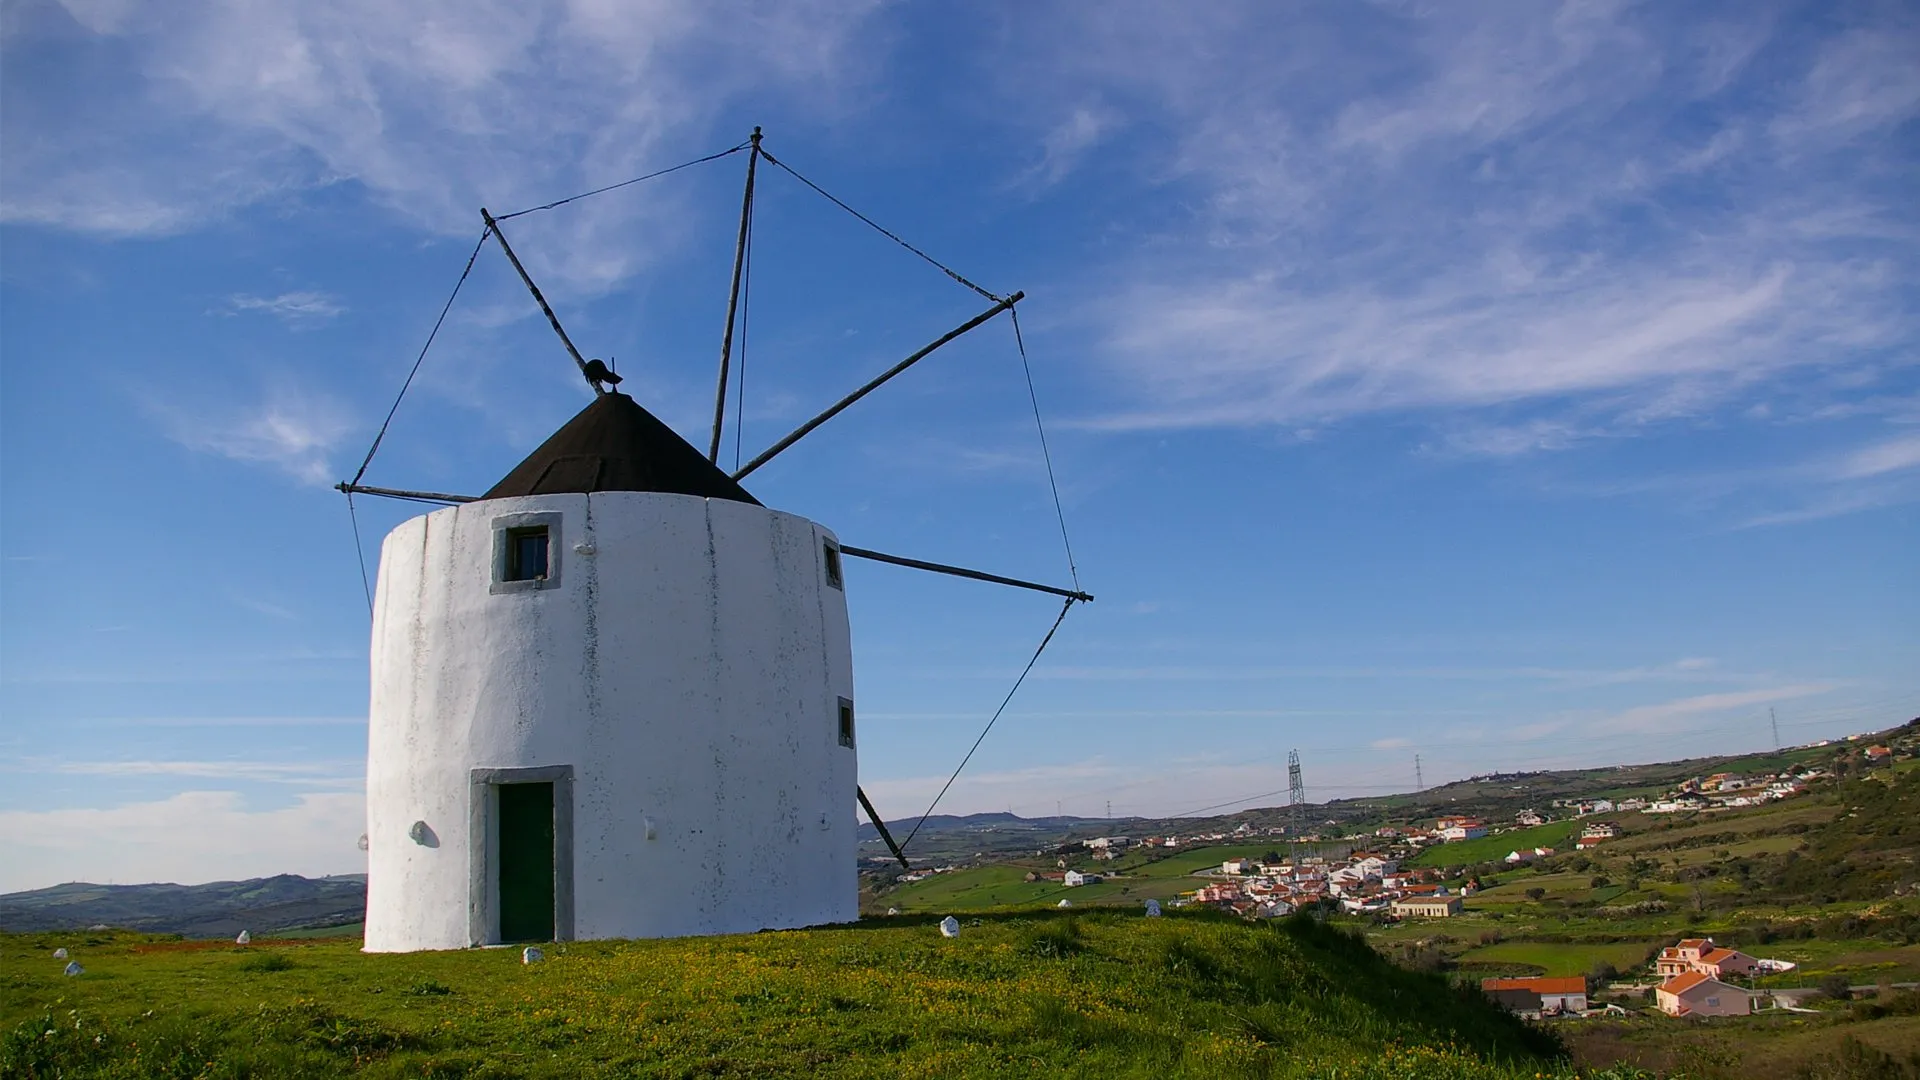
615	445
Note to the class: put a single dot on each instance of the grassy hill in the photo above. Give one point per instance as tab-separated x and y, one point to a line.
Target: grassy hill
216	909
1018	993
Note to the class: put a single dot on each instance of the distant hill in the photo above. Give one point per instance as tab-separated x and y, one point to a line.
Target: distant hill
984	823
216	909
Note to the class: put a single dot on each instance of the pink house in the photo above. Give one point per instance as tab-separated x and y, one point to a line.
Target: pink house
1698	994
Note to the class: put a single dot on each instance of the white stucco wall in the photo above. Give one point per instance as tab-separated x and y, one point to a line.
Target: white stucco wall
686	663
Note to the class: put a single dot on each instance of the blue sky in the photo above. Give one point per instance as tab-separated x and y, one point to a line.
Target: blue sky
1518	386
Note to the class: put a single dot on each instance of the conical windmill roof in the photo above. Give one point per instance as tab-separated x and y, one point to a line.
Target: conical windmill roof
615	445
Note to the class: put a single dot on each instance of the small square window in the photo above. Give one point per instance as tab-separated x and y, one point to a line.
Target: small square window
832	556
526	554
846	722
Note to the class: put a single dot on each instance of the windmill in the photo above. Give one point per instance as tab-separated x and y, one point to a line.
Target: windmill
612	696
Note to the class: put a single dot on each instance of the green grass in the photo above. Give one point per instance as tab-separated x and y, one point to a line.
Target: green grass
1563	959
1018	993
1554	834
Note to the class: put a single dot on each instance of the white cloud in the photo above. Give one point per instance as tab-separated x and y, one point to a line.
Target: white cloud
295	432
191	837
299	309
1893	455
1666	715
1063	147
331	773
151	121
1515	209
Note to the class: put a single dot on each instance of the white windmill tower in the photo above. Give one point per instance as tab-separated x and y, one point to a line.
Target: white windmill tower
613	696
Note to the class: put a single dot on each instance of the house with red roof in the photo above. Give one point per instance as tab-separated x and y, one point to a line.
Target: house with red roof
1556	995
1703	956
1697	993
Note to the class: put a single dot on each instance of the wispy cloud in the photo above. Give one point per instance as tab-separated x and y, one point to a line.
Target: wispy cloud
1664	714
433	109
327	773
1531	228
1893	455
294	432
301	310
1068	142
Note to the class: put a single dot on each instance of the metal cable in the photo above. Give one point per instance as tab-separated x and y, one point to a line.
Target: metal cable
1045	455
1062	617
877	227
360	552
623	183
418	360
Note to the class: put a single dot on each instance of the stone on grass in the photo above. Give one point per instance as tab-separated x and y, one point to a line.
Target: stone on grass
60	954
243	939
949	927
1153	909
893	911
74	968
1064	903
531	955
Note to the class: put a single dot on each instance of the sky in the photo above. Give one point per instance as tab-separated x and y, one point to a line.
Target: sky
1513	386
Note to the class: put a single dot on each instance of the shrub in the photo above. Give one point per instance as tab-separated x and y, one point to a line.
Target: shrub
272	961
1536	893
1836	986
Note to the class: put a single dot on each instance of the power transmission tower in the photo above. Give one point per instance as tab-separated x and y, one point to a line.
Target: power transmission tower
1419	779
1296	796
1776	727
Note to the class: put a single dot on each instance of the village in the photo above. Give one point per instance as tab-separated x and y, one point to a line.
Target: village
1381	876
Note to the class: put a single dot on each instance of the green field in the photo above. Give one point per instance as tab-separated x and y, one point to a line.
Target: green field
1553	958
1016	994
1554	835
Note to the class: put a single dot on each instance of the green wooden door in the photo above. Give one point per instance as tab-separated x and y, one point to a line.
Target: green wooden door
526	862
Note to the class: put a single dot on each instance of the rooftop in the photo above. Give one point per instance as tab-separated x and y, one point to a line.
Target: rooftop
615	445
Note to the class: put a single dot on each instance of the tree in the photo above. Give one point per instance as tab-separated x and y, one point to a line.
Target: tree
1836	986
1536	893
1599	881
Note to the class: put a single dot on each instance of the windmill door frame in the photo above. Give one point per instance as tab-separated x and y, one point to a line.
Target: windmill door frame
483	887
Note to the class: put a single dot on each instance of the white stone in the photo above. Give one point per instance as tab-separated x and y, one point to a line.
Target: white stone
531	955
1064	903
243	939
893	911
1153	909
949	927
74	968
59	954
692	667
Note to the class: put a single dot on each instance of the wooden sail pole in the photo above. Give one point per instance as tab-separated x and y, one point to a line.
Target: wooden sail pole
544	306
841	405
733	299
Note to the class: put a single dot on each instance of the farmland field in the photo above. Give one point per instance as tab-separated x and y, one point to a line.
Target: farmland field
1564	959
1554	834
